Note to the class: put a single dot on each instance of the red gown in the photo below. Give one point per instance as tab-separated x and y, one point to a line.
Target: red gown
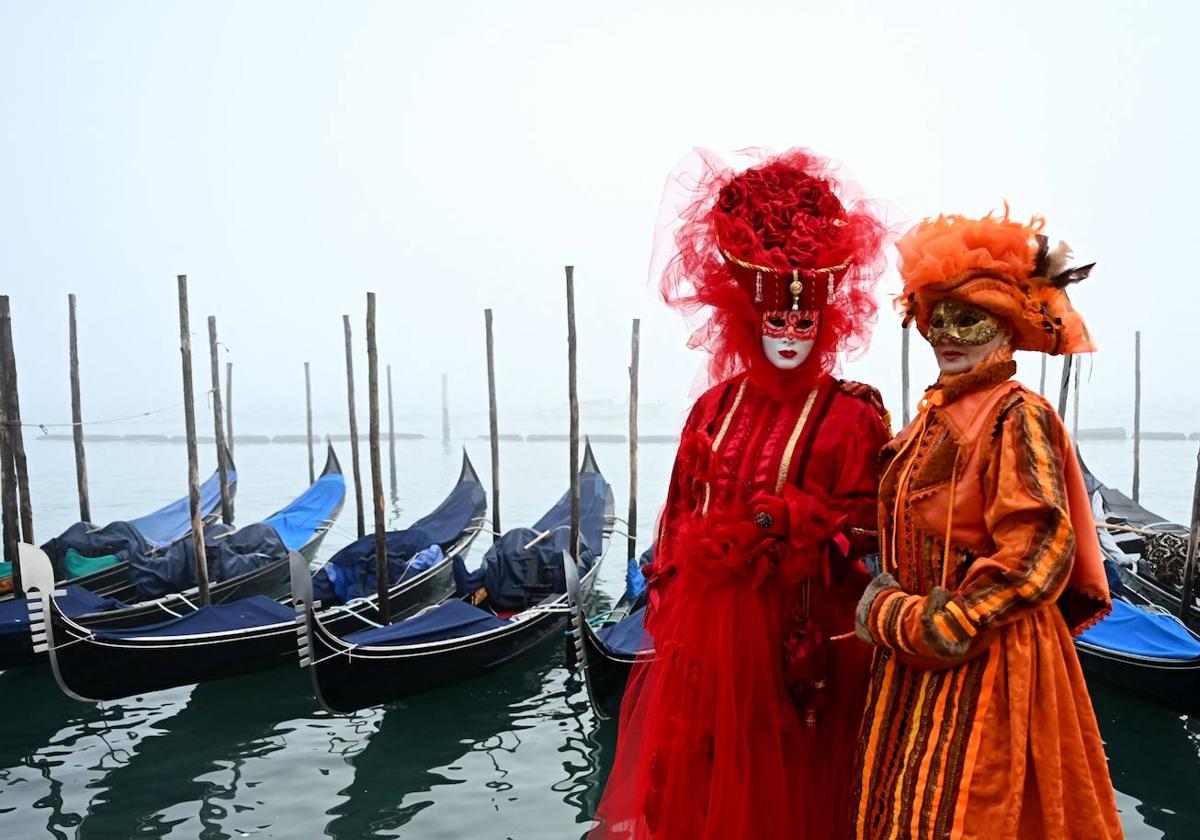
744	723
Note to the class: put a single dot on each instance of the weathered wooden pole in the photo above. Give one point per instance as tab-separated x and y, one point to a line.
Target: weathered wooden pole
1189	569
634	354
81	479
1137	414
391	432
229	406
189	422
1063	386
573	396
493	424
13	409
358	494
381	558
1042	381
218	422
312	475
9	502
905	411
1075	412
445	411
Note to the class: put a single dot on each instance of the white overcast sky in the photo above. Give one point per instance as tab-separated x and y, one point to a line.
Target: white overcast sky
452	156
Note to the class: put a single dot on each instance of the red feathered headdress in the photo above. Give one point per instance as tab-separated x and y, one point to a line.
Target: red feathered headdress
784	233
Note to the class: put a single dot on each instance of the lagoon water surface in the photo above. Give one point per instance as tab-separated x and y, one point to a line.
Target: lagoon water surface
516	754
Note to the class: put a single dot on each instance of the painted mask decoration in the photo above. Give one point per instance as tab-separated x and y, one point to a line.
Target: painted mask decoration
961	323
788	336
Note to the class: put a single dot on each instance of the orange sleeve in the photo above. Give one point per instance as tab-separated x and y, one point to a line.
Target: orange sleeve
1027	515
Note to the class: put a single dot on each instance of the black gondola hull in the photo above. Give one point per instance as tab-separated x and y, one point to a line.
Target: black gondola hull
1175	685
607	674
346	682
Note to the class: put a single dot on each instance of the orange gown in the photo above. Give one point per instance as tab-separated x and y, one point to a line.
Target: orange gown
978	722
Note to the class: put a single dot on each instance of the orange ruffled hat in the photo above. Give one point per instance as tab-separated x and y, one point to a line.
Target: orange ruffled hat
1005	267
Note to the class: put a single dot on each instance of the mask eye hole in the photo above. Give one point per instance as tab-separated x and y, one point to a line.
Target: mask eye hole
970	319
777	323
805	324
937	322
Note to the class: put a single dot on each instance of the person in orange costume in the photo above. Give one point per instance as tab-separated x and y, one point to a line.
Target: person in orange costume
743	724
978	722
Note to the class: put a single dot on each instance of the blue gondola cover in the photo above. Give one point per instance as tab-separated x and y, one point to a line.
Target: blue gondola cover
1130	630
627	637
243	550
170	522
118	539
14	614
451	620
351	573
313	508
256	611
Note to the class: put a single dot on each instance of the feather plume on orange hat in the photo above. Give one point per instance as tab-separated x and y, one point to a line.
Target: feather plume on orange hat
1000	265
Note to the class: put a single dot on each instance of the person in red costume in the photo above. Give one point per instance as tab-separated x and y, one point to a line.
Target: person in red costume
744	723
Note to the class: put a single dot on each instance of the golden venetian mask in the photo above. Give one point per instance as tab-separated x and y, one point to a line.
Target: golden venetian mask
961	323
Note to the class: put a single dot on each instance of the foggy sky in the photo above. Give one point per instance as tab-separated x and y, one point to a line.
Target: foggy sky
289	157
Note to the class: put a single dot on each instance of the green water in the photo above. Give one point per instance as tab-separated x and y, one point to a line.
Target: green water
516	754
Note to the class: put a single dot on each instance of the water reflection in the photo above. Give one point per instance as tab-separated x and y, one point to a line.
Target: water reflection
1154	757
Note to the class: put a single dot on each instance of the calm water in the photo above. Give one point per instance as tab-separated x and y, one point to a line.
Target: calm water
514	755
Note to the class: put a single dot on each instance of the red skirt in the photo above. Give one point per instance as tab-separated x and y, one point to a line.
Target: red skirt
711	744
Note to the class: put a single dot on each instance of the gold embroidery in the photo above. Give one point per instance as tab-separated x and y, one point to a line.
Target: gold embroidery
786	464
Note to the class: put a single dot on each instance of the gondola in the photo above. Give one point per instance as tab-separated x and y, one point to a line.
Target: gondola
514	602
605	655
243	562
96	558
1141	648
1134	571
255	633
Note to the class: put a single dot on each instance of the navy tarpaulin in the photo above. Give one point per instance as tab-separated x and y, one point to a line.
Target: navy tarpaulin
451	620
299	521
256	611
593	501
117	539
517	577
173	521
14	614
351	573
454	514
1128	629
628	637
230	555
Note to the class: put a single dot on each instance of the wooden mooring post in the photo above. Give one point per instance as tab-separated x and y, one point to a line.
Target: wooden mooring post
189	421
81	479
493	424
445	411
229	406
1063	387
905	411
1042	379
381	559
634	354
358	494
16	513
1137	414
573	397
312	476
1189	569
1075	410
391	432
219	423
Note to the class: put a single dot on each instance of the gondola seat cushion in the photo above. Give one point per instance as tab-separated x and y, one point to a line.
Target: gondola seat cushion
14	614
244	614
77	565
451	620
1137	632
627	637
